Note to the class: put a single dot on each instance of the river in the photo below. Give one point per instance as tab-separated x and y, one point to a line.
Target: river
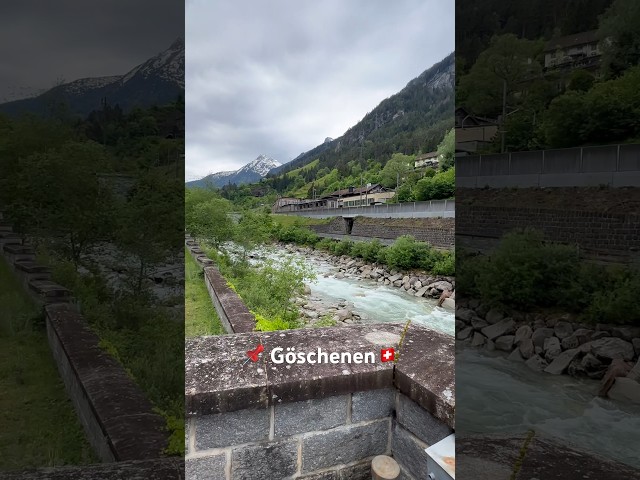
371	300
497	395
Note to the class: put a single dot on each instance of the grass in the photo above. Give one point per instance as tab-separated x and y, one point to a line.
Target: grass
200	315
39	424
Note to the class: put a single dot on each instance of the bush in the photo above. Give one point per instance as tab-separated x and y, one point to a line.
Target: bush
325	244
371	250
343	247
446	265
525	273
406	253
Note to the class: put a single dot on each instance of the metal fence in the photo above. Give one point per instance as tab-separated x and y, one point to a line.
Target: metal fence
432	208
613	165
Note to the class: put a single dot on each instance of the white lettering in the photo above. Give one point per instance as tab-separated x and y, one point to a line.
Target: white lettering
276	355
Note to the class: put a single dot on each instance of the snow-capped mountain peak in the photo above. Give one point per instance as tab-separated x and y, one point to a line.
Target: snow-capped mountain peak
251	172
261	165
168	65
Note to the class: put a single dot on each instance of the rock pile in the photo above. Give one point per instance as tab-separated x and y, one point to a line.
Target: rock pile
414	283
554	343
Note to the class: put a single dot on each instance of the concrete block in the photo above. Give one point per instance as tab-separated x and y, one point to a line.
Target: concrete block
409	452
344	445
420	422
205	468
360	471
272	460
231	428
372	405
310	415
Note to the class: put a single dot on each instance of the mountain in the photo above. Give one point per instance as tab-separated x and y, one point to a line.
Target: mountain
251	172
159	80
415	119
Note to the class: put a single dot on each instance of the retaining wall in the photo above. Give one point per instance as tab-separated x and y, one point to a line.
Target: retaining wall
613	165
118	419
610	233
438	232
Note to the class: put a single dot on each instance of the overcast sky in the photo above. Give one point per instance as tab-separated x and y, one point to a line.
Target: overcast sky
277	77
44	41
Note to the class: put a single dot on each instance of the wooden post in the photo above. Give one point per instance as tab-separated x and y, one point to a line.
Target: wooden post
384	468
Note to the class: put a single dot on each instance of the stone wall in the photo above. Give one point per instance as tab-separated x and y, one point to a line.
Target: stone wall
323	421
614	233
439	232
233	313
118	419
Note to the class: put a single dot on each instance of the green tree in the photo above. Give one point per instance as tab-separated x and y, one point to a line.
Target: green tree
580	80
620	37
499	73
210	221
447	150
396	168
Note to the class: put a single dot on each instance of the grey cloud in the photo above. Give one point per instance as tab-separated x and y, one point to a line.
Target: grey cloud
278	77
70	39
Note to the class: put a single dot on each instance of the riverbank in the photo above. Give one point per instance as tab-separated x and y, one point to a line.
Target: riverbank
326	304
557	344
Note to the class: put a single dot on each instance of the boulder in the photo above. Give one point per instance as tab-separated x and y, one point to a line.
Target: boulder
527	350
523	333
570	342
343	314
612	347
464	314
625	390
536	363
562	329
625	333
636	345
503	327
489	345
478	339
562	361
540	335
464	333
552	348
478	324
494	316
590	362
515	356
504	343
422	291
394	278
442	285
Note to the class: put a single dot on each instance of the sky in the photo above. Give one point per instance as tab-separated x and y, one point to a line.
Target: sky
277	77
44	42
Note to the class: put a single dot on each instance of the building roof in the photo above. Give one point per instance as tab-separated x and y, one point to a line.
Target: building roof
355	191
574	40
426	156
465	119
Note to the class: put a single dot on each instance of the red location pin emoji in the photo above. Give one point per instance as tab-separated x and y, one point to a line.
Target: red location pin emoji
253	354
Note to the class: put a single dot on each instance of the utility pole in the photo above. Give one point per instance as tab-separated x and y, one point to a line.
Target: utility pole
504	114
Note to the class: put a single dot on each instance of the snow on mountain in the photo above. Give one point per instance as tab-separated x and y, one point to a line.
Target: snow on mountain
251	172
261	165
168	65
157	81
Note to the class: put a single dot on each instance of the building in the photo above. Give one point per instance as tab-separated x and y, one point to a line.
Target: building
431	159
371	194
473	132
577	51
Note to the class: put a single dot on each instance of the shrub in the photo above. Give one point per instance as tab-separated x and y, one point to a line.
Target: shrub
372	250
343	247
446	265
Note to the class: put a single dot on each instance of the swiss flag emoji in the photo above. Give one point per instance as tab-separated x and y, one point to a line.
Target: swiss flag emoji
387	354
